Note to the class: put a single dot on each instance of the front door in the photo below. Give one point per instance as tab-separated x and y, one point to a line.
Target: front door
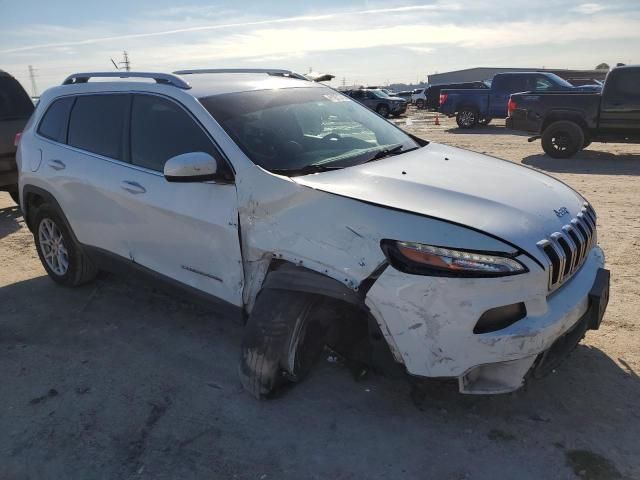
620	107
185	231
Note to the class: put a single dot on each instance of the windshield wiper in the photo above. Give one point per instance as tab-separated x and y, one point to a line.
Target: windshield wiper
304	170
387	152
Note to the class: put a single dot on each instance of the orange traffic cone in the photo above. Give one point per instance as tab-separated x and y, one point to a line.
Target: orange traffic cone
437	122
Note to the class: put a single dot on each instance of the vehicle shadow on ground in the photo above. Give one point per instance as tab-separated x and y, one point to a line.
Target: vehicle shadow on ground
487	130
115	375
587	162
9	220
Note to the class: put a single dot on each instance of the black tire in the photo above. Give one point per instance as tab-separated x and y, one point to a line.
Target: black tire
80	269
383	110
420	103
281	342
467	118
562	139
15	197
484	121
587	142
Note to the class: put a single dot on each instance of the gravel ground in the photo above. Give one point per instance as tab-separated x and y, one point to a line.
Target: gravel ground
116	380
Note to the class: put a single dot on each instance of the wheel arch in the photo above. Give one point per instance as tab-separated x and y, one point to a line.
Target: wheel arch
33	197
566	115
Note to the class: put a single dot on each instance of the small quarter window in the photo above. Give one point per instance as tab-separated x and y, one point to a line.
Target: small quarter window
55	121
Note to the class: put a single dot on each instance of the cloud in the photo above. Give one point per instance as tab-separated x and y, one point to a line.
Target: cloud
418	48
589	8
257	23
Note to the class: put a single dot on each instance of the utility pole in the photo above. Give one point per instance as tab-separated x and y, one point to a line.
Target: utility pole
126	64
32	76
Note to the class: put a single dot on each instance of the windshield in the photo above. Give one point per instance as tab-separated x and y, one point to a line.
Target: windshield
299	130
559	80
380	93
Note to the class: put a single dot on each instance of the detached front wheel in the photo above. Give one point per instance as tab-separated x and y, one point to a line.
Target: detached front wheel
283	339
563	139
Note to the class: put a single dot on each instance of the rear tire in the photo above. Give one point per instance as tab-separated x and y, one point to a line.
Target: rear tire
562	139
467	118
60	254
281	341
420	103
15	196
484	121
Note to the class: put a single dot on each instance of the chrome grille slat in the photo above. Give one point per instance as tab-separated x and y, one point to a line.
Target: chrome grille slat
567	250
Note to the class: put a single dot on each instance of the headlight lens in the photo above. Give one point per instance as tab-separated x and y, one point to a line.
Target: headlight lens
421	259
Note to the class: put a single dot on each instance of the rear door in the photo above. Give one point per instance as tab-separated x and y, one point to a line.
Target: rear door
620	107
82	143
185	231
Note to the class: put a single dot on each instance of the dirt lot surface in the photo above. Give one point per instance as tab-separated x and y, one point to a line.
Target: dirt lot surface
116	380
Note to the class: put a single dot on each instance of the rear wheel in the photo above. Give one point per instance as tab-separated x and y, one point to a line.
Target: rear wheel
420	103
61	256
283	339
562	139
383	110
484	121
15	197
467	118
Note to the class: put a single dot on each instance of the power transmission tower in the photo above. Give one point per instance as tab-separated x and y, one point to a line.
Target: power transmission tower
126	64
32	76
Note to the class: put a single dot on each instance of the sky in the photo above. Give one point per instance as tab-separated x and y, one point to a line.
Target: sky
361	42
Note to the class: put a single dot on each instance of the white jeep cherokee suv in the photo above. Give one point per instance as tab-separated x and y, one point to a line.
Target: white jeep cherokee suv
312	214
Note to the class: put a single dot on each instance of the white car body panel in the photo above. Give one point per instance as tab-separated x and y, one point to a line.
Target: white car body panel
495	196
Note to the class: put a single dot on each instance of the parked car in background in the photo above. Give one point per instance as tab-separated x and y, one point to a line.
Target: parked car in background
379	101
405	95
585	82
15	109
568	121
226	187
418	97
475	106
433	91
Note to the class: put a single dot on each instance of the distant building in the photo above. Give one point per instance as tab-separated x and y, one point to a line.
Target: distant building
487	73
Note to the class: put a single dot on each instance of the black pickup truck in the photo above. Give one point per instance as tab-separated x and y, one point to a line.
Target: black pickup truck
569	121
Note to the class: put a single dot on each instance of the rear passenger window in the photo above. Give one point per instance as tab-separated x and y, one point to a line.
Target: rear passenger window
54	123
97	124
160	130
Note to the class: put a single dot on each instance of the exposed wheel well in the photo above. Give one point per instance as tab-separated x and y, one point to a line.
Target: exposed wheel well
32	201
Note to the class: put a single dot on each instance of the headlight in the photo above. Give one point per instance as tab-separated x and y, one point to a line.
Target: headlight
421	259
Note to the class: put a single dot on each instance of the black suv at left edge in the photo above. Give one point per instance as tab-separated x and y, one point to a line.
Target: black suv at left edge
15	109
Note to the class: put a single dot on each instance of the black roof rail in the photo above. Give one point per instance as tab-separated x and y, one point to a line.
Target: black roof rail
268	71
162	78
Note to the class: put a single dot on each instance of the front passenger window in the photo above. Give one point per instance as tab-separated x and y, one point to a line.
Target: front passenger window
160	130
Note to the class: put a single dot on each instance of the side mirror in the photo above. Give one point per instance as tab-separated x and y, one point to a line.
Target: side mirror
191	167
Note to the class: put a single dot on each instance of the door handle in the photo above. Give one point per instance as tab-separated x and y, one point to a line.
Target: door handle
57	164
132	187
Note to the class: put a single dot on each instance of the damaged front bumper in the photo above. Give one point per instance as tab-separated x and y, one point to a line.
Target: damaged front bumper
429	323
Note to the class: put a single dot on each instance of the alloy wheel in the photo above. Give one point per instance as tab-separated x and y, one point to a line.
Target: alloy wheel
53	247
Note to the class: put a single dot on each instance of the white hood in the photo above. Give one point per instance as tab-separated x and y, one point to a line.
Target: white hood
501	198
